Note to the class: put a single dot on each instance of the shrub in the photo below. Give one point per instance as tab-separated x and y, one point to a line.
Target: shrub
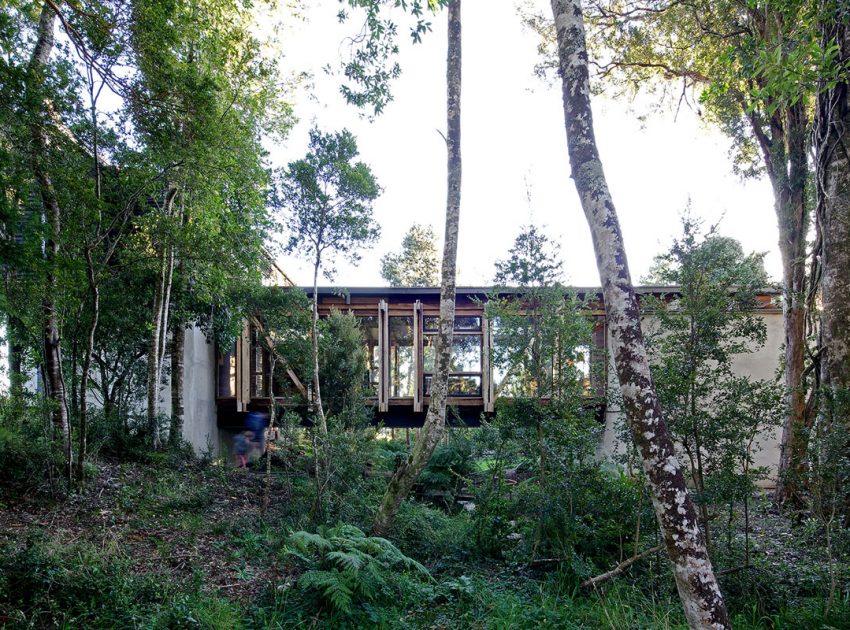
29	456
346	568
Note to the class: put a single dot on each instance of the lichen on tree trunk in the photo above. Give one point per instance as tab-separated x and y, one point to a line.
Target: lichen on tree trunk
435	422
698	589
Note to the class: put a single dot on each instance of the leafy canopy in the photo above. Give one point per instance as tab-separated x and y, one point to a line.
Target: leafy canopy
418	262
327	199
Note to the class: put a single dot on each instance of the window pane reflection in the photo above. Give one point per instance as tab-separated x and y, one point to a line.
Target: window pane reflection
369	326
459	385
466	353
402	367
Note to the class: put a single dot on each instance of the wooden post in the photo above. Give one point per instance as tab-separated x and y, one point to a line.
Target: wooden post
417	356
384	354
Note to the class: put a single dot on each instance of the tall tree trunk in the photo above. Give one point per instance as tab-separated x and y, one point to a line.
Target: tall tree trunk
267	484
785	159
832	148
178	341
832	154
55	382
94	290
435	422
698	589
16	333
318	407
159	321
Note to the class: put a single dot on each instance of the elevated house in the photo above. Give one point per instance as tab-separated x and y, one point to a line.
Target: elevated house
400	326
221	385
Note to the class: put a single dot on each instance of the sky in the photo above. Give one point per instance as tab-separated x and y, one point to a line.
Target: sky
515	164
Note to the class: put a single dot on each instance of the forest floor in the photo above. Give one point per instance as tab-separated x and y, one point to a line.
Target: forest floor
188	546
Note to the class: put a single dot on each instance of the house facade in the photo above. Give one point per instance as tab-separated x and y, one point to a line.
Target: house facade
400	326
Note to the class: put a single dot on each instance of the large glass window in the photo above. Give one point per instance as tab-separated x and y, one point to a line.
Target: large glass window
402	366
465	368
258	367
227	373
369	325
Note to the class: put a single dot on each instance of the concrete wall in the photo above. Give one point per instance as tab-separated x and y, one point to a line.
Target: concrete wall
758	365
200	427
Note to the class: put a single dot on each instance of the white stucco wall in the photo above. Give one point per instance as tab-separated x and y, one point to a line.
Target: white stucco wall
761	364
199	410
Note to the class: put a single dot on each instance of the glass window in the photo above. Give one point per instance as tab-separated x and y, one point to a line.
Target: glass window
431	323
258	367
465	368
227	373
369	326
402	367
466	353
459	385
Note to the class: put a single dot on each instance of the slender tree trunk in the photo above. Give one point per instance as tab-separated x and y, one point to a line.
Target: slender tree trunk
54	381
698	589
317	392
267	485
87	358
15	328
159	320
178	341
435	422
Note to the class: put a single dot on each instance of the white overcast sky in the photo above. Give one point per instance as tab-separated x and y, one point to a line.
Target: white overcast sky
515	166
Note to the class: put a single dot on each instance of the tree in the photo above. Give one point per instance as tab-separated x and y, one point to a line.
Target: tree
698	589
540	343
417	263
734	56
715	416
435	421
831	456
327	198
202	97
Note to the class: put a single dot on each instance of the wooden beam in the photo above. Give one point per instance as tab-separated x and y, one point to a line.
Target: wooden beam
418	355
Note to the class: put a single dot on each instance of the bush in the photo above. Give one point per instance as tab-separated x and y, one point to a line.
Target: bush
29	456
430	534
447	470
345	568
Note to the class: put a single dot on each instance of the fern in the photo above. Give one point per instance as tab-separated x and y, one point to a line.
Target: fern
345	567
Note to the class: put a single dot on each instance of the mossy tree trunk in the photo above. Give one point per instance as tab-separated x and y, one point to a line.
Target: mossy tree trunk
698	588
435	422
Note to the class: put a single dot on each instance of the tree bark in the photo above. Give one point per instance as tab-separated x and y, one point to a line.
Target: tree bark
178	341
832	159
435	422
94	289
314	337
159	321
698	589
55	382
785	158
832	149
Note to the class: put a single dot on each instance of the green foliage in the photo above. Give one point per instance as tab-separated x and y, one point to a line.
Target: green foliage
327	200
715	416
29	458
418	263
342	366
346	568
371	66
449	469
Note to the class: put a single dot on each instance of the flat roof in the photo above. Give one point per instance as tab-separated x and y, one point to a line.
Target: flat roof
382	291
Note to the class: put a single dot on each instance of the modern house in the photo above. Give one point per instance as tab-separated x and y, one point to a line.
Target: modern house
400	325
